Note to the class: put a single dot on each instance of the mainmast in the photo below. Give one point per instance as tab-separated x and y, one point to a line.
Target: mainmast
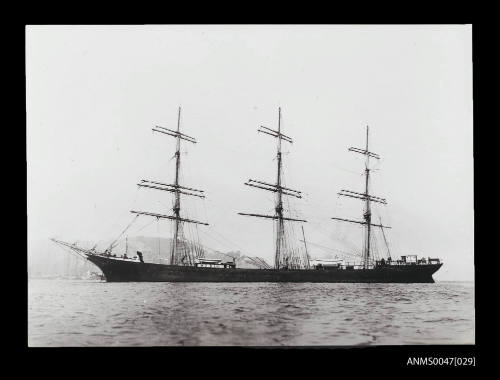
367	215
177	189
279	197
177	202
280	191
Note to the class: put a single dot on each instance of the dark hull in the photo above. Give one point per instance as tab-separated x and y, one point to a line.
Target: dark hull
129	271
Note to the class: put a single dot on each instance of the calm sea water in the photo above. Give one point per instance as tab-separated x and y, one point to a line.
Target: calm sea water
94	313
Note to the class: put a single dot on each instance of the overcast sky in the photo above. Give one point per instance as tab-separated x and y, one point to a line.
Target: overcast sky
95	92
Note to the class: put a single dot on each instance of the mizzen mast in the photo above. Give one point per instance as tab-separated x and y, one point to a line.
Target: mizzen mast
367	198
280	190
177	189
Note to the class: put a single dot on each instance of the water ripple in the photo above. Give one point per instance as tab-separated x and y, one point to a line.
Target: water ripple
86	313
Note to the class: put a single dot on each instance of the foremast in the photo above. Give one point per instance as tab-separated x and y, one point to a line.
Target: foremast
281	258
177	189
367	198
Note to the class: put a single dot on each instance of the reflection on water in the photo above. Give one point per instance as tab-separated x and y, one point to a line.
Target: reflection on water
86	313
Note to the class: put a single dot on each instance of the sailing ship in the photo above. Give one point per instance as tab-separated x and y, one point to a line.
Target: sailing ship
187	262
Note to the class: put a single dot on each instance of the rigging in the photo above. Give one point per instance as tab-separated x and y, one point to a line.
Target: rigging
367	214
283	258
177	189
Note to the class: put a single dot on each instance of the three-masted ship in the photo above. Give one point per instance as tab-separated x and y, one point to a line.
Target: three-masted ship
187	262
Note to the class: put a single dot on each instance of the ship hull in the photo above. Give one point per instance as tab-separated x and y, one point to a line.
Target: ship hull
129	271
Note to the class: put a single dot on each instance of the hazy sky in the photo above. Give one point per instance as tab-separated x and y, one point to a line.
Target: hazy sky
95	92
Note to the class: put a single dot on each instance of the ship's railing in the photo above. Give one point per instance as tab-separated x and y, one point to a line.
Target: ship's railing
403	262
116	257
380	263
